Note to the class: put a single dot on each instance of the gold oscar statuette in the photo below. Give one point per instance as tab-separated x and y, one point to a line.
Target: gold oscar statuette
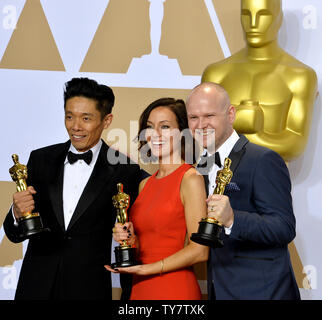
30	223
210	229
124	253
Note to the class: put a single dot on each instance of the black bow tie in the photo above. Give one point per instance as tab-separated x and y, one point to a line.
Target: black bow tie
73	157
207	162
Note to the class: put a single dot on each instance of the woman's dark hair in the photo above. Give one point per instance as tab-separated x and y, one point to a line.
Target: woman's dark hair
88	88
178	107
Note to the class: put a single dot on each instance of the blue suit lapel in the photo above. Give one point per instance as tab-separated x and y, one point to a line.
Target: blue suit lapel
237	152
235	156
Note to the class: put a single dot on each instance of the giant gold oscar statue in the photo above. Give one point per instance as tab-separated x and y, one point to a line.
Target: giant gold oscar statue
273	92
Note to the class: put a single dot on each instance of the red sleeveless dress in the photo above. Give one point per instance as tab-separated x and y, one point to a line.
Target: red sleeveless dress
159	223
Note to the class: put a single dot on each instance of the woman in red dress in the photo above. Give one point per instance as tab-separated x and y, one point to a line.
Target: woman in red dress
170	204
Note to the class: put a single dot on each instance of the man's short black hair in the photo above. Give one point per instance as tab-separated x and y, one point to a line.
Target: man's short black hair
88	88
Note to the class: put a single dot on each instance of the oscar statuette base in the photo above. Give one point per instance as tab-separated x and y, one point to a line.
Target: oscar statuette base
124	257
31	226
209	234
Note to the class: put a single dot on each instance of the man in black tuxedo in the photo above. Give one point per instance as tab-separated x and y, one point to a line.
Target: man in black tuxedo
71	185
255	210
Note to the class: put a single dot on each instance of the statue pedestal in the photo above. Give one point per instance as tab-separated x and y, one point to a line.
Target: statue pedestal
151	66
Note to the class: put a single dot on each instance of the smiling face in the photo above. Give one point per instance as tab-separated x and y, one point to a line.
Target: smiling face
163	135
210	116
261	20
84	123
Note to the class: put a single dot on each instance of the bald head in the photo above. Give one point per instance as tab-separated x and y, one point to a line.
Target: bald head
210	114
211	91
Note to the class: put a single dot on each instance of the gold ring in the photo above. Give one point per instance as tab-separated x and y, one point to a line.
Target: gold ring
113	230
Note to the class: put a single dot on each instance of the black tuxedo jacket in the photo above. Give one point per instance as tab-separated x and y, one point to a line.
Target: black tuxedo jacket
69	264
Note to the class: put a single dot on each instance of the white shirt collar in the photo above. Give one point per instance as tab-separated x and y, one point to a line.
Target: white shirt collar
96	149
225	149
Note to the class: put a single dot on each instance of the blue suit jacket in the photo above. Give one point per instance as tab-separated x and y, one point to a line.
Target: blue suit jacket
254	262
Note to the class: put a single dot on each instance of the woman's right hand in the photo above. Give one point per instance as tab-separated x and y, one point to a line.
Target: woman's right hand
123	232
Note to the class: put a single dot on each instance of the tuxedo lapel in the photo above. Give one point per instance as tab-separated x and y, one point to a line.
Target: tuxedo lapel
206	181
102	172
200	168
56	167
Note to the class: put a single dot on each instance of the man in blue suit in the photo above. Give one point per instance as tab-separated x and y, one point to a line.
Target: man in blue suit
255	210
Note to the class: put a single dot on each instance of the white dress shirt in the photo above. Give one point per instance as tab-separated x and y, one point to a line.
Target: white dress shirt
224	152
76	176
